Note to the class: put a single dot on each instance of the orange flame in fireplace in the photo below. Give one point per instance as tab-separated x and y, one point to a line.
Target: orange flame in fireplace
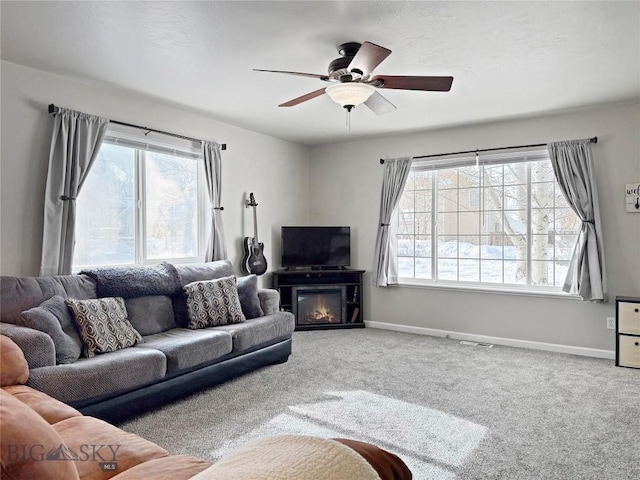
321	311
316	307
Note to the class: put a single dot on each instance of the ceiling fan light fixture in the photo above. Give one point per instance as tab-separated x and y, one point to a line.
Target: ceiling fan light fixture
350	94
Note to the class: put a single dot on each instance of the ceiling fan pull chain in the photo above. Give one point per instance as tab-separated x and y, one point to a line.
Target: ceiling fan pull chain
348	120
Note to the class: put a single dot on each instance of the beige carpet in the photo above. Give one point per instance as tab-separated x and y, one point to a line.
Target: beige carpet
450	411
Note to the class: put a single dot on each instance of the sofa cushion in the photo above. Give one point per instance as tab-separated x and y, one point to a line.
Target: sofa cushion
47	407
213	302
174	467
260	330
54	318
248	294
100	375
26	439
104	326
21	293
193	272
14	369
269	300
107	444
186	348
151	313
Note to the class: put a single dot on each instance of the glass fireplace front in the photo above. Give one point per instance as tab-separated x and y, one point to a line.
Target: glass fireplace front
319	304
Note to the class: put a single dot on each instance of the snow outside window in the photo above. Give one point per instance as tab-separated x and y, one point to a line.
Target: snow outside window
141	203
501	222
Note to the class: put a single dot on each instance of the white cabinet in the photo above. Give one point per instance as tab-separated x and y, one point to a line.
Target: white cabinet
628	332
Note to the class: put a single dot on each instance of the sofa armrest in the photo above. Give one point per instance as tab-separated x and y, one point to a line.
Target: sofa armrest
37	346
269	300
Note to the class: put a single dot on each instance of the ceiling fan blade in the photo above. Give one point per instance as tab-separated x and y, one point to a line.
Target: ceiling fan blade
379	105
303	98
300	74
432	84
369	56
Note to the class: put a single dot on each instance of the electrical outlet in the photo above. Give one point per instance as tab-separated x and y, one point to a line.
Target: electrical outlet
611	323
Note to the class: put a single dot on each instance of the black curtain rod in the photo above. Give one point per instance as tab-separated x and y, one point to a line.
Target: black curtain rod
593	140
53	110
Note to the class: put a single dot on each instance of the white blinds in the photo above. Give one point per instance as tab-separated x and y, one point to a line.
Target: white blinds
152	145
483	158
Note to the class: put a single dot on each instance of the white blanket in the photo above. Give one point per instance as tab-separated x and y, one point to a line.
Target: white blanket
291	457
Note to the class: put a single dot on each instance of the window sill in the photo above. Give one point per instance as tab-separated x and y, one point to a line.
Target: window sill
485	289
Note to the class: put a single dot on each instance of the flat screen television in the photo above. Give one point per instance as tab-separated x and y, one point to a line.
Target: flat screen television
316	247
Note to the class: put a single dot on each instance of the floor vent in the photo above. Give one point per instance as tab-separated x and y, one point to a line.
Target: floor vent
476	344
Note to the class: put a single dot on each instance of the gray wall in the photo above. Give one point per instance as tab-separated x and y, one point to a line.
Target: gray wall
275	170
345	190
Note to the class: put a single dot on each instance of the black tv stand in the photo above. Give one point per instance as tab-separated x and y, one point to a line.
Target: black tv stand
322	268
313	268
343	284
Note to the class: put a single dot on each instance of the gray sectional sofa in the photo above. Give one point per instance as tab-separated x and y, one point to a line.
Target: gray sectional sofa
172	360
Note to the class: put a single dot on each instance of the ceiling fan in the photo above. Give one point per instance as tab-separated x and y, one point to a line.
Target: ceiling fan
352	82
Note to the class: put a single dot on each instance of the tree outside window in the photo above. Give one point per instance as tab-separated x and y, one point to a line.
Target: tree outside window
138	206
489	224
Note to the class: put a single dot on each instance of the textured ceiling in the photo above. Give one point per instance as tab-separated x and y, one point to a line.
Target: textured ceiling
508	59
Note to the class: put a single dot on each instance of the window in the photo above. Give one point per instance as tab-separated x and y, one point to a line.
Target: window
501	222
140	203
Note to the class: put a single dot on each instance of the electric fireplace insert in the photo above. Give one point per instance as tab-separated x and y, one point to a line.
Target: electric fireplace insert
319	304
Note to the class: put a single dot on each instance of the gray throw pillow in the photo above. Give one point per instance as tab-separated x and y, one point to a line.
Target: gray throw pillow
248	294
213	302
150	314
104	326
54	318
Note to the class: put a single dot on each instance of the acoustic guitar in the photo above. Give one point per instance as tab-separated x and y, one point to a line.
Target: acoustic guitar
253	260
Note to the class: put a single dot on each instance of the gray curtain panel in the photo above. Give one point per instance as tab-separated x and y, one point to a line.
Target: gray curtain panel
216	248
75	144
573	167
396	172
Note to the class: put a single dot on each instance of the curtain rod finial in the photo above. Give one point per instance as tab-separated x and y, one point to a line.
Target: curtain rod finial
382	161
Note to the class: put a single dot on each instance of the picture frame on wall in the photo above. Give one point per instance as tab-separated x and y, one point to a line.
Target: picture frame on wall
632	197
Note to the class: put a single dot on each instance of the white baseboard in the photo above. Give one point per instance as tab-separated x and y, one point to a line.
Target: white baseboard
510	342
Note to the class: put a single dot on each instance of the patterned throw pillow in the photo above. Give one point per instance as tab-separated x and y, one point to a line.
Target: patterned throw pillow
213	302
104	326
